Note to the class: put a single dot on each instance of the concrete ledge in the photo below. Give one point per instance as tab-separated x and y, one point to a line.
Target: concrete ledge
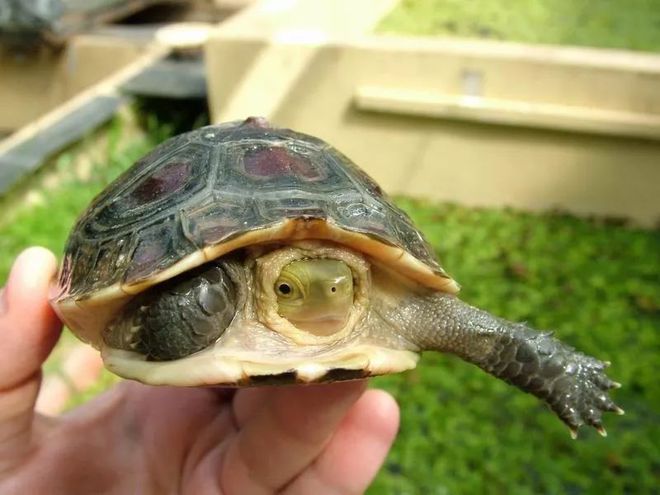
508	112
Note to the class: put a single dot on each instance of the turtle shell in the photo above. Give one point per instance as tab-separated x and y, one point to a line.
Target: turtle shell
207	192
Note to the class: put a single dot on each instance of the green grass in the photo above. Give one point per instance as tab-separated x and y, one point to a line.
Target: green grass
629	24
462	431
597	285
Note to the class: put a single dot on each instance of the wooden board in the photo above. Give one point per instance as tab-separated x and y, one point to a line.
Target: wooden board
25	150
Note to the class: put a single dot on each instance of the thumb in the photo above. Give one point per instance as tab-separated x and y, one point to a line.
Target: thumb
28	331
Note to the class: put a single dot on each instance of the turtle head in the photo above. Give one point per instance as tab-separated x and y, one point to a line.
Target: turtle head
315	295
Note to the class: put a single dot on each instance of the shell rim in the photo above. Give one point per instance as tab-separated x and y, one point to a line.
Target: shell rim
212	369
287	230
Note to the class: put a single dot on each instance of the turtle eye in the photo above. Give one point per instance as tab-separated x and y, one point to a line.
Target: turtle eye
287	289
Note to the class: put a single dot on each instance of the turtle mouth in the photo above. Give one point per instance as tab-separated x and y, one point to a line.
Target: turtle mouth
321	326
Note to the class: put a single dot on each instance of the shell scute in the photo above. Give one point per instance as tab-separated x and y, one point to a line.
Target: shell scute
412	239
267	162
159	246
217	218
293	205
176	177
84	256
113	256
171	178
278	166
364	216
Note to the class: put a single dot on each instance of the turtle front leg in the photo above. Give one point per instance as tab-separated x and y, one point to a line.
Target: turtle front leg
573	384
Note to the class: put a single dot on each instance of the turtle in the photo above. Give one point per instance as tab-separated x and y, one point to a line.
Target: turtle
247	254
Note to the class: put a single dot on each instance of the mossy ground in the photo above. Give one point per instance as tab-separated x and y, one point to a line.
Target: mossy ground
629	24
463	432
597	285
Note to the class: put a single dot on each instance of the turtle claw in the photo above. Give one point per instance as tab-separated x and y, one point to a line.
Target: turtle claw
574	433
580	395
619	411
573	384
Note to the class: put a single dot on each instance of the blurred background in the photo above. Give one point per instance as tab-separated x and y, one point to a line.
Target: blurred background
522	137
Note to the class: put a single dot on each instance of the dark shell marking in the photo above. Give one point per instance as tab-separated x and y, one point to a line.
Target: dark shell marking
213	184
291	378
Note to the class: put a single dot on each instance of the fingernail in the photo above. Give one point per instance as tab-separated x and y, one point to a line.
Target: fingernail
4	305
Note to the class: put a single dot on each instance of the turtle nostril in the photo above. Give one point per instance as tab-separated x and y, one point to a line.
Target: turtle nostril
334	289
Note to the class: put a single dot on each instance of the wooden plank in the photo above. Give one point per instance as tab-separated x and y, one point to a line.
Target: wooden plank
22	152
28	154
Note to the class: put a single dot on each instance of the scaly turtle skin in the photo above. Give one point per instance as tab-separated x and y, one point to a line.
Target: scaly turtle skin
245	254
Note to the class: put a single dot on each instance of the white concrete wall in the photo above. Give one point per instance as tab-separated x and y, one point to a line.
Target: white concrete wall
474	122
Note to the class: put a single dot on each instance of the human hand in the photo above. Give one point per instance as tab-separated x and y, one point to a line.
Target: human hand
140	439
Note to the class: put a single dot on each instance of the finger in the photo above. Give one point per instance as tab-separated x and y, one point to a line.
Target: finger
249	401
28	331
81	367
283	438
28	327
357	450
